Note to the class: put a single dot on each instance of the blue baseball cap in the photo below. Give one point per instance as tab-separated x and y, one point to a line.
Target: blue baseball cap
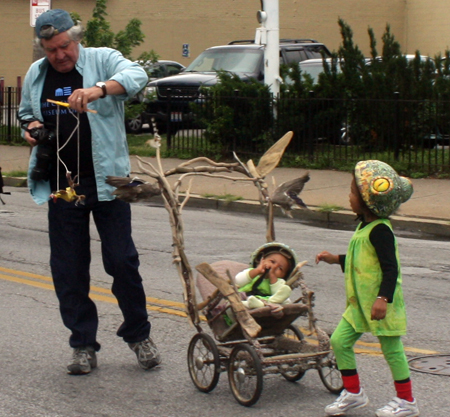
52	22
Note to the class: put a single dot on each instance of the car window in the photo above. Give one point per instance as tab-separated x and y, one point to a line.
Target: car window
315	68
295	55
156	72
238	61
173	69
312	70
315	52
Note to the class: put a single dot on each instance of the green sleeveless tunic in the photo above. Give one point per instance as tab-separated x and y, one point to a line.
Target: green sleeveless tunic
363	278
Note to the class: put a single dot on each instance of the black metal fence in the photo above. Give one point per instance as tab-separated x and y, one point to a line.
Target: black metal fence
9	104
414	136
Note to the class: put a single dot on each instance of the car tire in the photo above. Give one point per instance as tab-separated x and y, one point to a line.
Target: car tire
134	125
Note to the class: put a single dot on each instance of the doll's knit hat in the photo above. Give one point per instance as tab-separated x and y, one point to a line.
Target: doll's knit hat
381	188
275	247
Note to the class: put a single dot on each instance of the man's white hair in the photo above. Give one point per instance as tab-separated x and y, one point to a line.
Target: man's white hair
75	33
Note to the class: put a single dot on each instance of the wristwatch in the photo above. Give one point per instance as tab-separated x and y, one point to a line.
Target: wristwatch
102	85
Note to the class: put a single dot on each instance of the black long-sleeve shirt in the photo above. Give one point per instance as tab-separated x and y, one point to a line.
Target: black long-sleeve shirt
383	242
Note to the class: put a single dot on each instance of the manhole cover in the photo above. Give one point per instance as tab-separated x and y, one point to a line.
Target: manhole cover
437	364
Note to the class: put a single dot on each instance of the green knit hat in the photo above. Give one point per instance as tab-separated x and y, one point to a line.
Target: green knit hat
381	188
275	247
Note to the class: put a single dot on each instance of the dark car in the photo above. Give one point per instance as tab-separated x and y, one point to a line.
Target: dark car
155	70
243	58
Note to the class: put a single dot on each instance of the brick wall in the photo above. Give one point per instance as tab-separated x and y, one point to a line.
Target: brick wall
428	26
168	24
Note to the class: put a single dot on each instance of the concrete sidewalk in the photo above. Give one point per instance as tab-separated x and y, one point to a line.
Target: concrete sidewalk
427	212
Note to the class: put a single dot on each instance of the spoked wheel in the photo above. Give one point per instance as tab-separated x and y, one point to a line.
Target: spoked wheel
330	375
245	375
292	375
134	125
203	362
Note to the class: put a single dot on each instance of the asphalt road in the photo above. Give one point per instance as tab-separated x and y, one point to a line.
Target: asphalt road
34	345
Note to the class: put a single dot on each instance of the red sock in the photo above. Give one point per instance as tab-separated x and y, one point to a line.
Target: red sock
351	383
404	390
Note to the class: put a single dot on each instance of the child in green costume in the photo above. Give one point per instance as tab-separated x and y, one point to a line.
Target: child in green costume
373	284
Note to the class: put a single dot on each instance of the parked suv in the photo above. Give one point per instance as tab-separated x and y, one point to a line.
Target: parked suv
160	69
243	58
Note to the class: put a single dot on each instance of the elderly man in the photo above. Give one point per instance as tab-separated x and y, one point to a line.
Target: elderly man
83	149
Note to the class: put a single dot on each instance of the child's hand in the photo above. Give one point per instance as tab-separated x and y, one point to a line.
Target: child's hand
263	266
259	269
327	257
379	309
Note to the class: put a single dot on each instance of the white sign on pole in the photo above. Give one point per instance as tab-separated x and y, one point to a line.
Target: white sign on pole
37	7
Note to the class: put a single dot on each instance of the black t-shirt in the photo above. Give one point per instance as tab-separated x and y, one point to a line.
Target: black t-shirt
59	86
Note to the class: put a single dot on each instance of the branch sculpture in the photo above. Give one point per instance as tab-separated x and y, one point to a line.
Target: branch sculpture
132	190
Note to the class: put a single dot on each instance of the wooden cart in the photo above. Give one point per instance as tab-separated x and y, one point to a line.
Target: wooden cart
247	344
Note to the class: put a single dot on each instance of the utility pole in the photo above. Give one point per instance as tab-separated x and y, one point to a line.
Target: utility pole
268	34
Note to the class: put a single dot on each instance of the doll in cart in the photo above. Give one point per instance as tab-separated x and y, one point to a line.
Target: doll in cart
263	283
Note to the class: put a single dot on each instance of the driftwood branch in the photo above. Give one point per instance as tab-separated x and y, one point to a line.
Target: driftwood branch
208	299
186	166
206	167
187	196
153	173
241	313
296	275
210	175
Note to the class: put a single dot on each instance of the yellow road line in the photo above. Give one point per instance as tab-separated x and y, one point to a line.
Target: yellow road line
101	290
27	282
108	298
168	307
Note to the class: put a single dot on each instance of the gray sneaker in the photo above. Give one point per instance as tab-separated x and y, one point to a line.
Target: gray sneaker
147	353
399	408
347	401
83	361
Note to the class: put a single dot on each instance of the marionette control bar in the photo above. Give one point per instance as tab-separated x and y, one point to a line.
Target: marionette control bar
61	103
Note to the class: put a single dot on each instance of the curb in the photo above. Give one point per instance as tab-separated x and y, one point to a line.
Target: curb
15	181
341	220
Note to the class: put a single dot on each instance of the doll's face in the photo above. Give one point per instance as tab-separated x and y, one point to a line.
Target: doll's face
278	265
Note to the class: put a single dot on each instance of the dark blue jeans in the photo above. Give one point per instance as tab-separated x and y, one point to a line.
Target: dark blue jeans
70	260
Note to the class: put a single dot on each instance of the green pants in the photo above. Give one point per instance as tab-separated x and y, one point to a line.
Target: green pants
345	337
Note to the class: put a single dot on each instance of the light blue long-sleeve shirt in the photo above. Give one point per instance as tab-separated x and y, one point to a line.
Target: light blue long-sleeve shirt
109	144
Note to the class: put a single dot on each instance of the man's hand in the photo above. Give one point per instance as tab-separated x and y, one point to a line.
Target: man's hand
80	98
27	136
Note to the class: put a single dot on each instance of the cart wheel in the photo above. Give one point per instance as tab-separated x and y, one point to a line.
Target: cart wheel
292	375
330	375
203	362
245	374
